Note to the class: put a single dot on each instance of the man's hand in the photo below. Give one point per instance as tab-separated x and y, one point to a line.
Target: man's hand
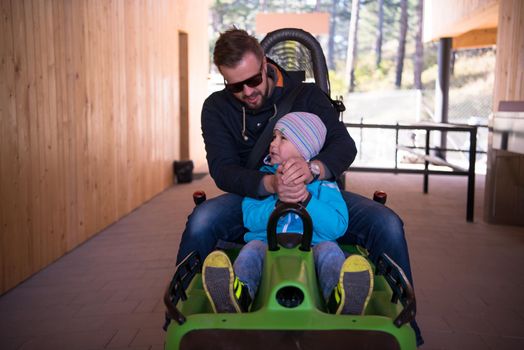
295	171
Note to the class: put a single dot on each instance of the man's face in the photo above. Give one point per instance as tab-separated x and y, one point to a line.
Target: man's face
243	78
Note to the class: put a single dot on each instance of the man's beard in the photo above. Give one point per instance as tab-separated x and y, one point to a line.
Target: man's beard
262	99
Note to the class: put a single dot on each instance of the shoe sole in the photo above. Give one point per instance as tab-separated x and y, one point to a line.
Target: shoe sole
217	278
356	276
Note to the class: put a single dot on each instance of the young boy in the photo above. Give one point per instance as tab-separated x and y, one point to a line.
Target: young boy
346	284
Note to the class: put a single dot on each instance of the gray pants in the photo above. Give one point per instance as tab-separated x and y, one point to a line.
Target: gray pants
328	261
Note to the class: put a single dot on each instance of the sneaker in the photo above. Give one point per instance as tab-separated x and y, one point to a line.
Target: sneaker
224	290
355	284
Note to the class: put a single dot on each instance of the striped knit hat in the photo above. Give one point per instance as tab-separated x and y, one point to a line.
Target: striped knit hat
305	130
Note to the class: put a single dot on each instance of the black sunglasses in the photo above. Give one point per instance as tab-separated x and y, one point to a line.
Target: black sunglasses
253	81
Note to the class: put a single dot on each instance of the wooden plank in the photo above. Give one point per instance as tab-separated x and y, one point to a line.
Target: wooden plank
81	103
152	77
56	90
138	126
166	88
120	106
148	145
95	119
59	217
173	123
104	119
509	66
109	208
91	156
40	131
47	238
131	101
17	255
8	147
184	94
111	211
69	70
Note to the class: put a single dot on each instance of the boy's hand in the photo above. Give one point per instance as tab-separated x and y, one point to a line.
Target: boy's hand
295	171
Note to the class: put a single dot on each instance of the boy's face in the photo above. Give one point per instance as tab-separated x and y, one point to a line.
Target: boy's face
281	149
245	74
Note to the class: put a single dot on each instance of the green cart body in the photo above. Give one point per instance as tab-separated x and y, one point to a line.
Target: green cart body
288	311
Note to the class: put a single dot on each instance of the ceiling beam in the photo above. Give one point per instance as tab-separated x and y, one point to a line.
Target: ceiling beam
475	39
315	23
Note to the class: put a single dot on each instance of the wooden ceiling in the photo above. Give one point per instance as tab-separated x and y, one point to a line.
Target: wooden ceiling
471	23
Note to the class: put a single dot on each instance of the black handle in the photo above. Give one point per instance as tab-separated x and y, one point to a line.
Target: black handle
281	210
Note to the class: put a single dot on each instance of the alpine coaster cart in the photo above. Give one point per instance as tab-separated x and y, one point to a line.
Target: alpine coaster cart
289	311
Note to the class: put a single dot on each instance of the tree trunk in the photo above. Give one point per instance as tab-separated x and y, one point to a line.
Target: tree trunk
418	60
217	17
401	41
452	63
331	39
262	5
351	59
380	27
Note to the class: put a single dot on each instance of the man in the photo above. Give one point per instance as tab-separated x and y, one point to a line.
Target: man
232	121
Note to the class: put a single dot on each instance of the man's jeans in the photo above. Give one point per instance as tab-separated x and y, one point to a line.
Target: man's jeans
371	225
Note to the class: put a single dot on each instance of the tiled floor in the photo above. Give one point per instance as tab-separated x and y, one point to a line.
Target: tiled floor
106	294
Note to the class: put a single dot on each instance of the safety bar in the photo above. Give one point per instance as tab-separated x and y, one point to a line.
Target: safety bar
281	210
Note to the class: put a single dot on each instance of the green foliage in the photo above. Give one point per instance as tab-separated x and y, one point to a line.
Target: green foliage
368	77
338	84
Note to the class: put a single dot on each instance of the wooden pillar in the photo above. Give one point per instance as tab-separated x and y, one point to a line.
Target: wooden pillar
509	65
504	191
183	72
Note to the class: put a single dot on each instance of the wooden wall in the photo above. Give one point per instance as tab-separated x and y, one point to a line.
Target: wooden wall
504	191
88	119
509	67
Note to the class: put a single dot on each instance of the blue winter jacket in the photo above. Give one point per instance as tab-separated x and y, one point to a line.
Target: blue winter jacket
327	209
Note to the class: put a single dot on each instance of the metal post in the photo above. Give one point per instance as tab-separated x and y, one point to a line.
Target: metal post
471	174
396	147
442	89
426	164
361	135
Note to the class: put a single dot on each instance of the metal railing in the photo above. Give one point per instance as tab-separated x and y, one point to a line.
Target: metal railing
427	157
